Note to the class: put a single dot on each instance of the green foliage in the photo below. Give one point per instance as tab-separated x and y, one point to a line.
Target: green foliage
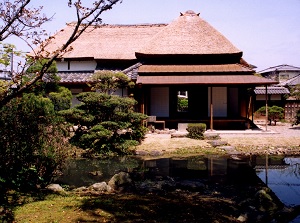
182	104
61	99
297	118
31	143
196	130
37	67
295	92
106	123
6	51
275	113
108	82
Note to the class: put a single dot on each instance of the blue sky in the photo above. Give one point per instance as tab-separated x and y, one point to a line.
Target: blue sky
267	31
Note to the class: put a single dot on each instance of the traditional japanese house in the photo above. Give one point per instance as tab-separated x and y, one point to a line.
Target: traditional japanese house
185	71
189	56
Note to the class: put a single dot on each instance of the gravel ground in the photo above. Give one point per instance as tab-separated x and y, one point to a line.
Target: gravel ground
282	138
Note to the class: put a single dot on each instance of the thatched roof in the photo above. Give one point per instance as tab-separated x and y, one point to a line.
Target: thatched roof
116	42
188	35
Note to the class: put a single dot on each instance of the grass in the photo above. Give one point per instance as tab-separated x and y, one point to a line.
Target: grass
171	207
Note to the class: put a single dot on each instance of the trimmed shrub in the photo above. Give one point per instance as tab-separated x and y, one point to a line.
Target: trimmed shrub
196	130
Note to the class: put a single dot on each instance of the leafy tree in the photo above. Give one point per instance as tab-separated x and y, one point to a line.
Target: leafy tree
275	113
62	99
182	104
106	123
31	143
19	20
108	82
295	92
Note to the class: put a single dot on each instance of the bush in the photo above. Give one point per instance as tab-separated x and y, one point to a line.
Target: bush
275	113
107	124
196	130
297	118
31	145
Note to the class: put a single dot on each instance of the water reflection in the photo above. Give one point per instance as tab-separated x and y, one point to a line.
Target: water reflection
280	174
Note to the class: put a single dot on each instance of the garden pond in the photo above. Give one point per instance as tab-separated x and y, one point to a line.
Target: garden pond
279	173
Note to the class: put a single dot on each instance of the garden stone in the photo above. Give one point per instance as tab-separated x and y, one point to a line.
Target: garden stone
102	187
216	143
55	188
120	181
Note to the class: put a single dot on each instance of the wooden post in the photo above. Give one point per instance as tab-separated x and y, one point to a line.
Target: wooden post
266	108
211	110
267	165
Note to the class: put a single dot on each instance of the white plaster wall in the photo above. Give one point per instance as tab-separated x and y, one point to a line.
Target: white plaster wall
76	65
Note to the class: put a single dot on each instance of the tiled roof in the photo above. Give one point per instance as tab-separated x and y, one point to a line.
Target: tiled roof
271	90
75	77
204	79
283	67
132	72
85	77
291	82
194	68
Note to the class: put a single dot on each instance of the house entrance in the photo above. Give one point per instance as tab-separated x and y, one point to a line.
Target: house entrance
218	97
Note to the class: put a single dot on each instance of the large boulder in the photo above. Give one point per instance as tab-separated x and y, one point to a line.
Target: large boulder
120	181
100	187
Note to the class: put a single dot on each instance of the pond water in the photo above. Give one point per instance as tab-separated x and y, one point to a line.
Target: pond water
281	174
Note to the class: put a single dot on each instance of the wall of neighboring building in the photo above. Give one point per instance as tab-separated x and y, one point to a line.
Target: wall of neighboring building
281	75
67	66
290	110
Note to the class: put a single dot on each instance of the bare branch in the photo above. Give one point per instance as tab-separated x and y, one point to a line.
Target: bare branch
21	25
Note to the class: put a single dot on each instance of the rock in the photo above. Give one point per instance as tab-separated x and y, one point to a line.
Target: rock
265	201
211	136
55	188
101	187
120	181
242	218
178	135
216	143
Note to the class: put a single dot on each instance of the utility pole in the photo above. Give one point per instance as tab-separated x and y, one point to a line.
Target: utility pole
12	62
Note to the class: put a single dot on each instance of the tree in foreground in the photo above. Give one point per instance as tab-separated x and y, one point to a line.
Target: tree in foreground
106	123
17	19
275	113
32	144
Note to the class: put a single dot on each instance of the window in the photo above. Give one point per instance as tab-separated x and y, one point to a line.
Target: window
182	101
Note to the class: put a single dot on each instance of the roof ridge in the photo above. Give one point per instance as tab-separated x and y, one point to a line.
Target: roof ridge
122	25
281	65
